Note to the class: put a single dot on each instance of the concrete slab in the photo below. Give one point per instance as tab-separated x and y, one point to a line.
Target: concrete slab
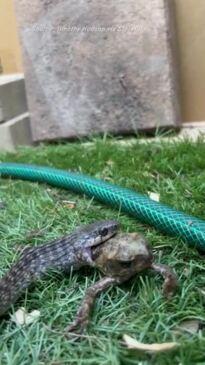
12	96
98	66
15	132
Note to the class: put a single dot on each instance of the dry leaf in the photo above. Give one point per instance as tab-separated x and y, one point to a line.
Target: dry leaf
187	272
192	326
131	343
69	204
110	162
154	196
21	317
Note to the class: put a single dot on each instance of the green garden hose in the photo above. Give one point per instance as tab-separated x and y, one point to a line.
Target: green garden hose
162	217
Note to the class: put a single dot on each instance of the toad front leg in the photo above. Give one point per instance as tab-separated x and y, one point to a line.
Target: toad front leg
170	279
82	317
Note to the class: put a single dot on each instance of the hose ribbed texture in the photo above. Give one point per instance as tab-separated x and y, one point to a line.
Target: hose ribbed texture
161	216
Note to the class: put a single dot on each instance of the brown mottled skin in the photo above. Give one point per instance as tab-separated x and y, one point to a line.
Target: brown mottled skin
119	259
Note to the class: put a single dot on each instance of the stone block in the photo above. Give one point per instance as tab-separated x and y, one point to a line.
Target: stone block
15	132
12	96
96	66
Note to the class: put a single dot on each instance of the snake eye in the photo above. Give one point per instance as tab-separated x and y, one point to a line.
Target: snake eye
104	232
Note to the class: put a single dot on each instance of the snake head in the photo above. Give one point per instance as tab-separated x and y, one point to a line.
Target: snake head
93	235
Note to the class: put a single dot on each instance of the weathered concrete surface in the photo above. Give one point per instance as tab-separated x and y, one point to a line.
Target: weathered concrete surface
15	132
120	77
12	96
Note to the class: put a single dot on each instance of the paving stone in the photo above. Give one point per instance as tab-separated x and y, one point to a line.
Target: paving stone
12	96
96	66
15	132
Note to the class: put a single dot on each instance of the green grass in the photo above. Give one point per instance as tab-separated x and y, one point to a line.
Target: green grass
37	213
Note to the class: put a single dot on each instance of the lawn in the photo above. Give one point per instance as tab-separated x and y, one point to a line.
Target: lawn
35	213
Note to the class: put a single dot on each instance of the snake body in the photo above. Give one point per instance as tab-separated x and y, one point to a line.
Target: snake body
73	250
161	216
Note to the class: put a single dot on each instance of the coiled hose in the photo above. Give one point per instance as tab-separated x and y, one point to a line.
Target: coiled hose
161	216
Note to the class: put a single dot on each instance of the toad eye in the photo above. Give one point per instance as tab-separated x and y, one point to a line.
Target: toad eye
104	232
125	264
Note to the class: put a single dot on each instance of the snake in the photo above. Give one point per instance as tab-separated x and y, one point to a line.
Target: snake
73	250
